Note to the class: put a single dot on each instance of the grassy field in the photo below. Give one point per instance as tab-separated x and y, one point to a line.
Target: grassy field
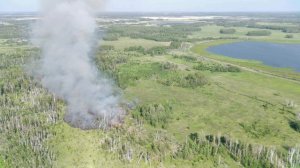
126	42
241	33
205	109
248	106
277	24
1	163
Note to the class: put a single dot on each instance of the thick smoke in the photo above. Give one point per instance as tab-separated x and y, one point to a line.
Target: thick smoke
65	35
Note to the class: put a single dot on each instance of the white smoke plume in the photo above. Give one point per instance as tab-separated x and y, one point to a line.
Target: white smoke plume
66	36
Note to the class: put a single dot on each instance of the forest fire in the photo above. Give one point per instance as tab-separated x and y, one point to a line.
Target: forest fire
91	120
65	67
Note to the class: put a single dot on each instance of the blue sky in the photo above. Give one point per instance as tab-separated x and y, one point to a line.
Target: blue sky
171	5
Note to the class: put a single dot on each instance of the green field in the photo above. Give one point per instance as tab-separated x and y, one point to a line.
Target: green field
126	42
276	36
192	108
1	163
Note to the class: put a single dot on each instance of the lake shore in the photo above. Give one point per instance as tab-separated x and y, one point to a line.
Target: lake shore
201	49
272	54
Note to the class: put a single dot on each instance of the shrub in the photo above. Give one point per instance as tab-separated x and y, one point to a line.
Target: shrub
157	51
185	57
157	33
186	81
111	37
259	33
175	44
291	30
227	31
258	129
127	74
108	61
231	68
216	67
154	114
194	80
169	66
107	48
139	49
172	78
295	125
197	148
289	36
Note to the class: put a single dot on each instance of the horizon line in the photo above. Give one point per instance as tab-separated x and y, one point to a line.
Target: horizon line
16	12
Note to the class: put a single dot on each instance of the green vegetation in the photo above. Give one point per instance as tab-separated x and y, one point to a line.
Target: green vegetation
175	44
169	66
27	112
128	74
283	26
126	42
291	30
295	125
186	81
111	37
186	58
216	67
107	47
159	50
212	32
156	33
1	163
198	148
14	29
139	49
154	114
227	31
289	36
259	33
185	109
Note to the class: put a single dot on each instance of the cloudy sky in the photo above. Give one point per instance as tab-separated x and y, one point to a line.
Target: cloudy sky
171	5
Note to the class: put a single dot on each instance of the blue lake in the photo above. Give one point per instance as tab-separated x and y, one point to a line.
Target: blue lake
273	54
